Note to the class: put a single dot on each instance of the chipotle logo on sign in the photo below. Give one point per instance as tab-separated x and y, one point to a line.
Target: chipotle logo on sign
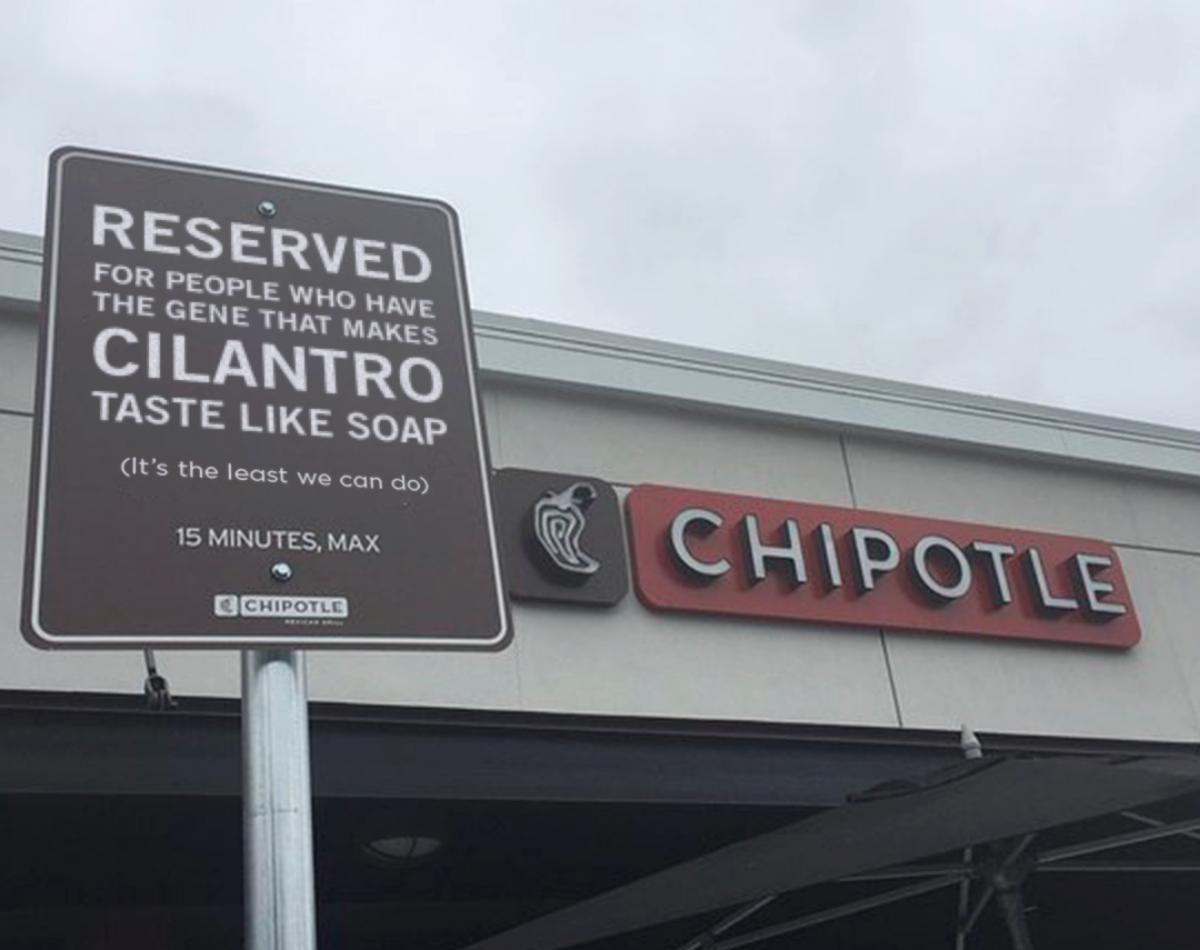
716	553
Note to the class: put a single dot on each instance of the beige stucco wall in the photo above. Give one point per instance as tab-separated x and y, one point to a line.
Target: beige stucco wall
630	661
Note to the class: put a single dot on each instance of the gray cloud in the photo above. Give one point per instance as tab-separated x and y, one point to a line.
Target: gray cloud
1000	198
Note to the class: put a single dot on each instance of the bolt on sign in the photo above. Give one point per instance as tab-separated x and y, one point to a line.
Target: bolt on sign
257	418
717	553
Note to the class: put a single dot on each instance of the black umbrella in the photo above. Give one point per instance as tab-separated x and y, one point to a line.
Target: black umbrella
999	800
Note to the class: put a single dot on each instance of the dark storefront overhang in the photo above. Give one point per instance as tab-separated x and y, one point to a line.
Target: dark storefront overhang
120	821
111	745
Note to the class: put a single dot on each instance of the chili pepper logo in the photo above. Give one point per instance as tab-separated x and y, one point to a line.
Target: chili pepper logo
558	523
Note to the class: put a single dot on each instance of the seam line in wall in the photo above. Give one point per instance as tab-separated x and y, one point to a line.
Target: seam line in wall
846	467
887	656
499	461
1193	552
887	662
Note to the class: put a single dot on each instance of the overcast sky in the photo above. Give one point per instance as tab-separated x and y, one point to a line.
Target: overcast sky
998	197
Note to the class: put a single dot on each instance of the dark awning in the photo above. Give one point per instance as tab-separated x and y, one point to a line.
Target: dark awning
974	803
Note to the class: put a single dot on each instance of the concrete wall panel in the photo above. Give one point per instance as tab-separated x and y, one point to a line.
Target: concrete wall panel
630	662
1166	588
946	482
18	356
628	441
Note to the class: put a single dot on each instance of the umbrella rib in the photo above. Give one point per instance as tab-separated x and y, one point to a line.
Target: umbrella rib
1117	841
980	905
964	901
836	913
746	910
1123	867
908	871
989	891
1156	823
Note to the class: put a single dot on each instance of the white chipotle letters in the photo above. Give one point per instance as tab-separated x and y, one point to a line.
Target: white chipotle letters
941	569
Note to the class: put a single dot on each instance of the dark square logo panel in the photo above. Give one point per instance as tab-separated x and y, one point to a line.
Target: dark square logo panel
561	536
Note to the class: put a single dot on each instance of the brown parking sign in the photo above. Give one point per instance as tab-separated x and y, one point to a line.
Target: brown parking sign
257	418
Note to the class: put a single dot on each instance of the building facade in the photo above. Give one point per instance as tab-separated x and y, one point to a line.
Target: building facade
662	733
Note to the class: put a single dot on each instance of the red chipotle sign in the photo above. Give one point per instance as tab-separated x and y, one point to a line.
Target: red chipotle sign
716	553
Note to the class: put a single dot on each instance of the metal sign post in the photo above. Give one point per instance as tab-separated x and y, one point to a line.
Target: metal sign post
277	802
